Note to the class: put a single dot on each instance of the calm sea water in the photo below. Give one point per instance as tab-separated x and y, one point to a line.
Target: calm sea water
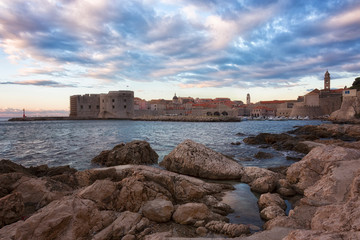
75	143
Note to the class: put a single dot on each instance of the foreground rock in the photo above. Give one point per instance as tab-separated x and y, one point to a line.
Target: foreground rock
329	179
122	202
196	160
135	152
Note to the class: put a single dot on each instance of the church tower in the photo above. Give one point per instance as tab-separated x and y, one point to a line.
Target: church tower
327	81
248	99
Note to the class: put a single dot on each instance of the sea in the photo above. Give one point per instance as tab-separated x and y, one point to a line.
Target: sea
75	143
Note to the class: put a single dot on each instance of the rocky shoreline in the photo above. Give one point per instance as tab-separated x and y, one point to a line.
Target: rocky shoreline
146	202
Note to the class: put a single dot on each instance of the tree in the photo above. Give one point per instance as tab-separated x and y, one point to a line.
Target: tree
356	84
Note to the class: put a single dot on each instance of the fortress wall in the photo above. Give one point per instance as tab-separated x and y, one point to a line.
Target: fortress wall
303	111
117	104
330	104
88	105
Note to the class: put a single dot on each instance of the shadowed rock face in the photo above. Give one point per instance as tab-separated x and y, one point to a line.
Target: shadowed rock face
196	160
135	152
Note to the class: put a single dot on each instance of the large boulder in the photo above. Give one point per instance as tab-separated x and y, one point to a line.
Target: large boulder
135	152
197	160
158	210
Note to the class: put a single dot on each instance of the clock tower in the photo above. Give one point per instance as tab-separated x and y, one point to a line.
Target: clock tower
327	81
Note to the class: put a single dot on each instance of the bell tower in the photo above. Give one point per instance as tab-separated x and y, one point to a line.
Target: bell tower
248	99
327	81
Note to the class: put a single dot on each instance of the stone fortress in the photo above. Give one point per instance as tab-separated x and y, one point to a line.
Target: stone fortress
115	104
123	105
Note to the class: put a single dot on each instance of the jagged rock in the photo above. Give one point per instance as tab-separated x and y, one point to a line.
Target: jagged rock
7	166
102	192
271	212
68	218
201	231
158	210
196	160
310	169
253	173
271	199
11	208
263	155
236	143
229	229
127	223
135	152
264	184
189	213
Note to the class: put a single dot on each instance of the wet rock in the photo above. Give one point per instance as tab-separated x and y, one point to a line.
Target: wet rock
240	134
11	209
196	160
135	152
158	210
229	229
271	199
189	213
271	212
291	158
236	143
264	184
263	155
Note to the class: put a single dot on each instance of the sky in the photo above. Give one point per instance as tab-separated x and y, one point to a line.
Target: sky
272	49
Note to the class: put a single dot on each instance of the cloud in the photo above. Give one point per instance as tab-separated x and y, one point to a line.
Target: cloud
45	83
194	43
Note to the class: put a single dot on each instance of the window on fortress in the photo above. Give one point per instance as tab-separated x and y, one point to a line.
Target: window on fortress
81	106
89	106
124	106
113	106
97	106
113	100
124	100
